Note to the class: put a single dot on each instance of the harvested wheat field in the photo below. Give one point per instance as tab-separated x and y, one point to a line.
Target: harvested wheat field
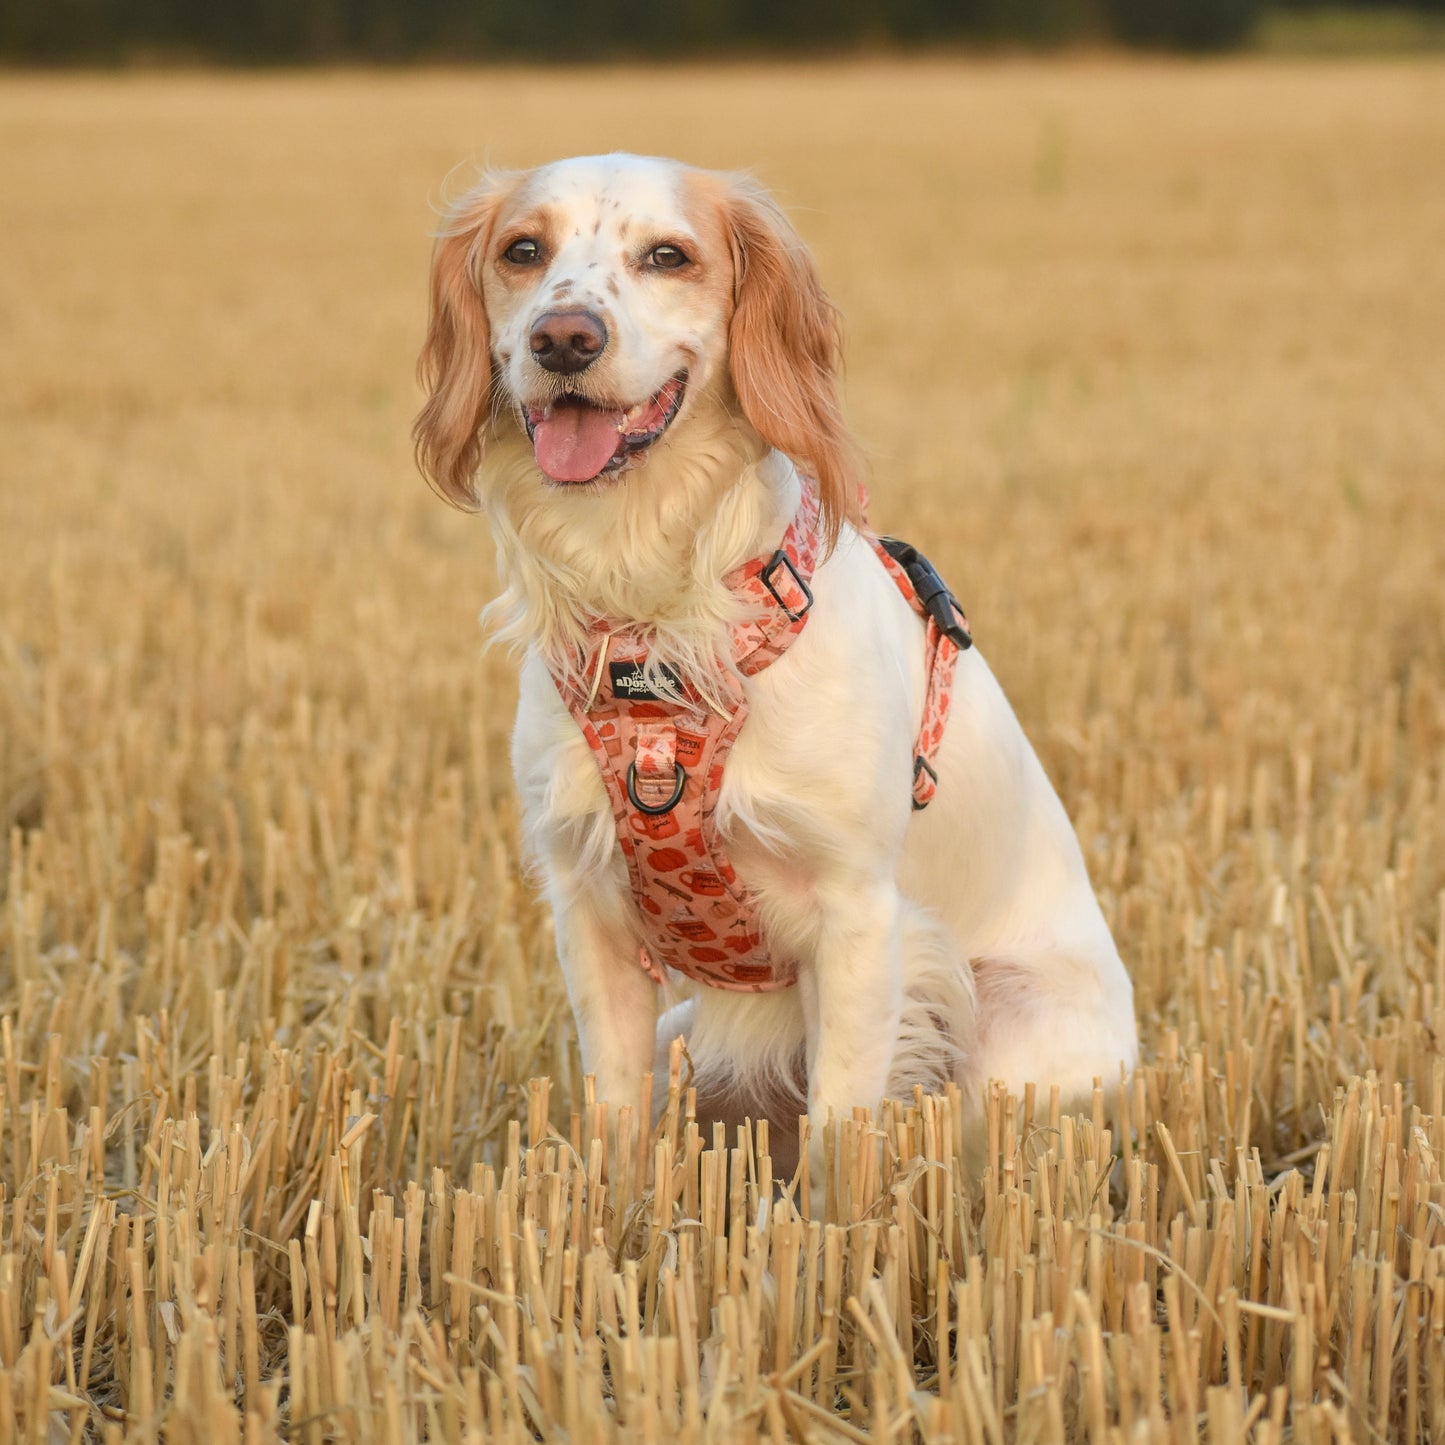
293	1138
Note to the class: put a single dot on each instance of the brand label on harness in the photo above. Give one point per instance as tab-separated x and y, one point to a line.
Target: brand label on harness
630	681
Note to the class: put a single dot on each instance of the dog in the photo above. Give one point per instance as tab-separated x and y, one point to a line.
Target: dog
632	370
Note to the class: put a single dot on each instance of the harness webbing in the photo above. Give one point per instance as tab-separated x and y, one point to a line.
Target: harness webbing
661	741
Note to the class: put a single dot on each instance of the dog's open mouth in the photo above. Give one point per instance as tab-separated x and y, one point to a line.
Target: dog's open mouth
578	441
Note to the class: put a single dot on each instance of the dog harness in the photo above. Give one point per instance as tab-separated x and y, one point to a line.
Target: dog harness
661	741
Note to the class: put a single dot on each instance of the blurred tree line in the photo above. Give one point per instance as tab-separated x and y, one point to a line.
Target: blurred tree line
271	31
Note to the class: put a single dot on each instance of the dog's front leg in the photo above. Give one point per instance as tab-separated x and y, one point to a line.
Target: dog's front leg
613	1001
567	824
853	1005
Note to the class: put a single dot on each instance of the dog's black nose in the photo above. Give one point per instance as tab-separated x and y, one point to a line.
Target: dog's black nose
568	341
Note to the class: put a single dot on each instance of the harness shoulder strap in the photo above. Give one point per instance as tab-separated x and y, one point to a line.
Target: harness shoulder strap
948	635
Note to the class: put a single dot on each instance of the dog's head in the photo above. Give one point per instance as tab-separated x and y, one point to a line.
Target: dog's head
591	303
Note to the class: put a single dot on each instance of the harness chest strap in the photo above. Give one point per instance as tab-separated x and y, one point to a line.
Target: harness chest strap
661	742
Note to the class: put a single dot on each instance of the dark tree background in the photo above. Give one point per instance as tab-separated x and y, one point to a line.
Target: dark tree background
271	31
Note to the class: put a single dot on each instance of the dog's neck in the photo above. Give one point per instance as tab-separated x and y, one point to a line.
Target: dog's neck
647	553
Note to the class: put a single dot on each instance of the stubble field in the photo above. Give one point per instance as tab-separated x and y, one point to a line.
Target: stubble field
293	1141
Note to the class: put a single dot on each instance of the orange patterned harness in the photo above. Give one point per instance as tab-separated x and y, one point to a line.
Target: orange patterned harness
661	742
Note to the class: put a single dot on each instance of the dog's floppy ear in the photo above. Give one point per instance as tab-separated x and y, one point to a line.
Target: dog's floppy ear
455	365
785	350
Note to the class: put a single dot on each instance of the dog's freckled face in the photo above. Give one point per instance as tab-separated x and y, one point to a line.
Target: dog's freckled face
594	303
610	296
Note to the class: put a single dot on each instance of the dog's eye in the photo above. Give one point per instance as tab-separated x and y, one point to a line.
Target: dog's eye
525	252
667	258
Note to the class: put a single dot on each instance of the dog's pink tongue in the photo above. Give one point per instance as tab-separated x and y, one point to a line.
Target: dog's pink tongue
575	442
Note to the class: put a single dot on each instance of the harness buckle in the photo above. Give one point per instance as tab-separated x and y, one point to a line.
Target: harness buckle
781	559
931	590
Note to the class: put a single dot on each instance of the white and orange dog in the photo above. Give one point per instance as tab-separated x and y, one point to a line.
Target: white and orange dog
631	366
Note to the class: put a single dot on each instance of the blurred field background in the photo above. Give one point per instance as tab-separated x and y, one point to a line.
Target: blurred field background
293	1143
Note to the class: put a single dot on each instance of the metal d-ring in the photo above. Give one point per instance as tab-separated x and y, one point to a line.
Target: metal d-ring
668	806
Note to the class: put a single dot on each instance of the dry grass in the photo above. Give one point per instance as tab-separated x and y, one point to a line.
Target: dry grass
1149	357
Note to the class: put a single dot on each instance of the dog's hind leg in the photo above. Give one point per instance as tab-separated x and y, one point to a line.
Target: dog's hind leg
936	1029
1057	1019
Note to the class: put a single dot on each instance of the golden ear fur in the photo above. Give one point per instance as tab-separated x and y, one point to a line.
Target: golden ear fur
785	351
455	364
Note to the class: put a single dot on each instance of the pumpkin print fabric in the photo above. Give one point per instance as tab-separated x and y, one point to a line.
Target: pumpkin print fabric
661	744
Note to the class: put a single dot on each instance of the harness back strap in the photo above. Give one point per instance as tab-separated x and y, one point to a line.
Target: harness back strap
661	742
